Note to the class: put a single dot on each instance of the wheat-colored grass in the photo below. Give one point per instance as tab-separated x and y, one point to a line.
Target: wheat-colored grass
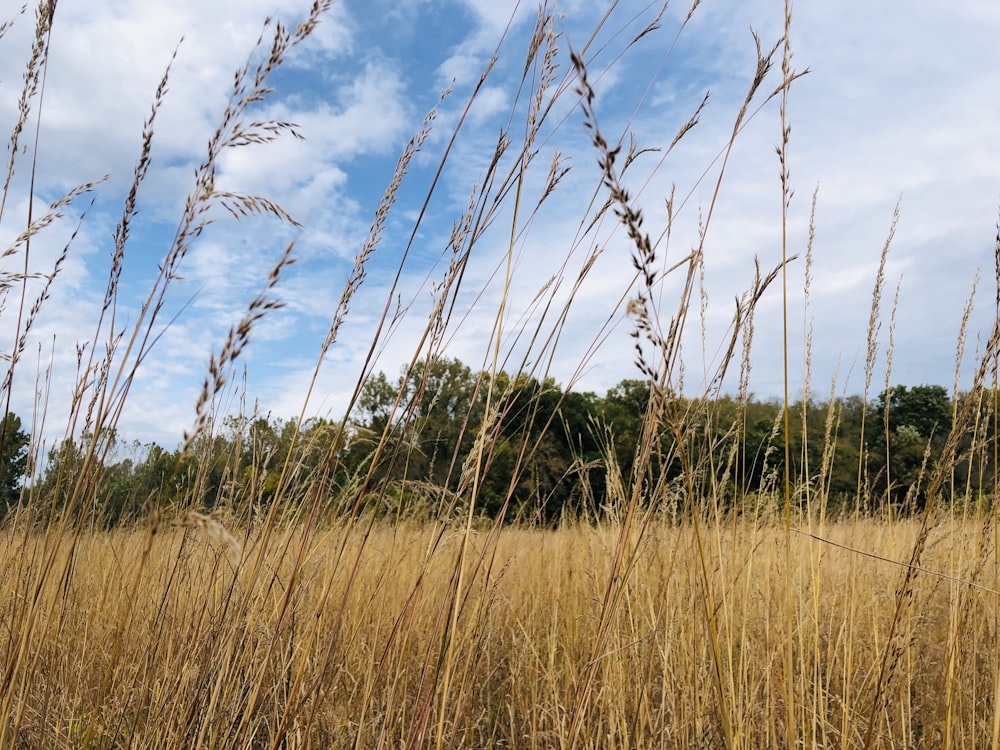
183	655
691	612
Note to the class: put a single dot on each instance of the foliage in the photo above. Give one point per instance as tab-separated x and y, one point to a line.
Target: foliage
911	426
14	446
547	454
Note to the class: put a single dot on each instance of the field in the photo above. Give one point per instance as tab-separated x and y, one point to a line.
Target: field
355	637
480	557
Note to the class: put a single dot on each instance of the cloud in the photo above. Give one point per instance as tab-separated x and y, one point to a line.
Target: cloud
106	60
493	17
894	109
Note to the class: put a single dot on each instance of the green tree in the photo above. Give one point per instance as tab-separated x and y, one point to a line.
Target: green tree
545	459
842	487
430	417
63	472
925	408
150	477
266	449
623	410
445	410
375	402
908	423
14	443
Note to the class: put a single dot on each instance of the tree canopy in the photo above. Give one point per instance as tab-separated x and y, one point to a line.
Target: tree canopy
14	444
440	436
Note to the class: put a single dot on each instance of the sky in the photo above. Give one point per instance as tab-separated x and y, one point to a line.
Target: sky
898	108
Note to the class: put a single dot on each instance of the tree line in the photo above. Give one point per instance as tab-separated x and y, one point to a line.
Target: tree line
525	449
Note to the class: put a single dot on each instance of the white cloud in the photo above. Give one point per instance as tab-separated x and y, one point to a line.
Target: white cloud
495	17
897	104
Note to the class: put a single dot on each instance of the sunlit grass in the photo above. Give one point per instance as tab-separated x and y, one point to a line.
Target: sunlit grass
157	640
333	600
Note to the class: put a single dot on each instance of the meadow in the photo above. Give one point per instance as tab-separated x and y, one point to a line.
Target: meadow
706	582
358	637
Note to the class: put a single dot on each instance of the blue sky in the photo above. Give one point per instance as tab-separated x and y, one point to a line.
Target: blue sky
899	105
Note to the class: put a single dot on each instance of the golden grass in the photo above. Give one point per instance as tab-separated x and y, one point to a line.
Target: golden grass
166	651
317	626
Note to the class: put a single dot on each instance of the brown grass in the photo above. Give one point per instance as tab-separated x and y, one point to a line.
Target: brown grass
183	653
679	619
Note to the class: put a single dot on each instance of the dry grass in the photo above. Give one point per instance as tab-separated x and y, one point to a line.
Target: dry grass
312	621
168	656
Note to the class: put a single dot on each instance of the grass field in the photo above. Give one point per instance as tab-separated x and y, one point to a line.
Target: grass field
150	638
689	613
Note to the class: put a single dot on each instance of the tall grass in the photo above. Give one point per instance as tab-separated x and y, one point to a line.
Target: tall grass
191	657
679	616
